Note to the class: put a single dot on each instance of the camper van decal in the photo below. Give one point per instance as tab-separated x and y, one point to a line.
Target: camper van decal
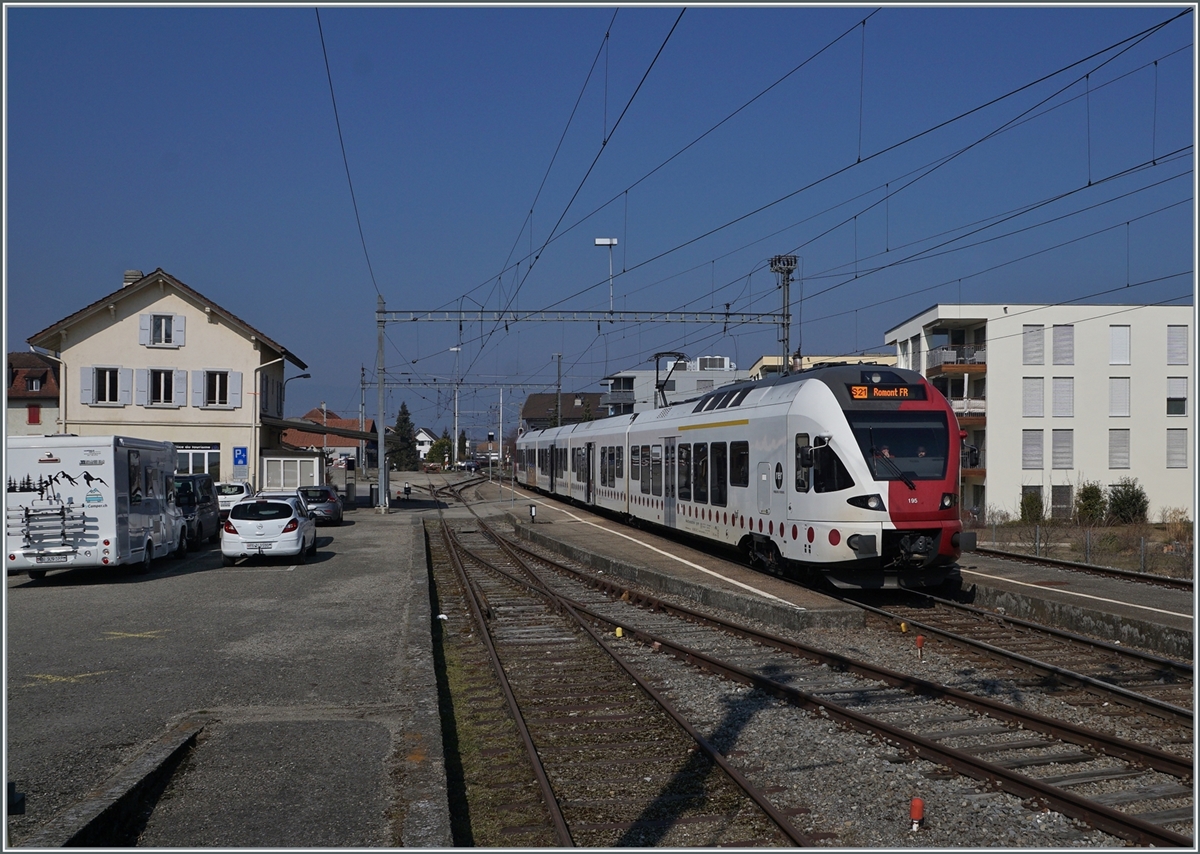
47	486
93	496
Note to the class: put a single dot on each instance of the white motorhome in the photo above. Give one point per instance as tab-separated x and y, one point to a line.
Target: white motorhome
89	501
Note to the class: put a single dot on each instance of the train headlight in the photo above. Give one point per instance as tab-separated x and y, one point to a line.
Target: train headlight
868	502
949	499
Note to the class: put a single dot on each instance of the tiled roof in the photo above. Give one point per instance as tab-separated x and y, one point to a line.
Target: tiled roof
26	366
44	338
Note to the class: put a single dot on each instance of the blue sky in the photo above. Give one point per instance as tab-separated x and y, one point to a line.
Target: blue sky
478	140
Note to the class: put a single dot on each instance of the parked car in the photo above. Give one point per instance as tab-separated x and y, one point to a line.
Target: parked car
269	525
196	498
471	465
324	501
230	493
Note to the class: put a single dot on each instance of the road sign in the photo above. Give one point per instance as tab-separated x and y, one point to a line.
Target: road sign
240	455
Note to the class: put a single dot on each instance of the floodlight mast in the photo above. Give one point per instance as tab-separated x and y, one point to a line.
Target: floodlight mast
785	265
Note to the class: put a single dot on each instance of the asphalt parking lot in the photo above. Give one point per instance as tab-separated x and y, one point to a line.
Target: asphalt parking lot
315	682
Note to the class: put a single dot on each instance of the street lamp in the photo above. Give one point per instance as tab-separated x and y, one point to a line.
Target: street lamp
610	242
283	394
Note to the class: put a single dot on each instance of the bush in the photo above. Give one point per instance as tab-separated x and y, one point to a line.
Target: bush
1091	506
1127	502
1031	507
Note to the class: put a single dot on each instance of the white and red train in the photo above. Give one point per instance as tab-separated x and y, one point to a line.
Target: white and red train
850	472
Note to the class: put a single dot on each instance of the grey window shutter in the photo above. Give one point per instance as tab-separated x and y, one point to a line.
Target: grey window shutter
125	386
86	376
1064	345
1119	345
1177	345
1176	449
1033	344
1031	449
1118	396
1062	449
179	388
1064	396
235	389
143	329
142	386
1032	397
1118	449
198	388
1177	387
178	329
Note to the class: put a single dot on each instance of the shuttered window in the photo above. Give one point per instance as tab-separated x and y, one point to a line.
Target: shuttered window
1118	397
1177	449
1031	449
1118	449
1033	397
1063	395
1118	353
1064	345
1177	345
1033	344
1062	449
1177	392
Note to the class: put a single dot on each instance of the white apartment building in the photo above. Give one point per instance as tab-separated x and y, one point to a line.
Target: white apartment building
1058	395
158	360
634	391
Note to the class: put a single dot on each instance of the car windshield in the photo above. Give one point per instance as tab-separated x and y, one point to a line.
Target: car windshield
899	444
261	511
315	494
230	489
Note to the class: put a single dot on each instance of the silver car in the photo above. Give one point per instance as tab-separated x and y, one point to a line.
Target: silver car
324	501
230	493
276	525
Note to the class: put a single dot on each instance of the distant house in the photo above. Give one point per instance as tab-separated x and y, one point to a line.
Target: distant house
158	360
337	449
537	413
32	395
425	440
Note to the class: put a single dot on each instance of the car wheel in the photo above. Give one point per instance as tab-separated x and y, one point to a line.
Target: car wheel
216	535
302	555
37	574
226	560
183	546
312	550
147	557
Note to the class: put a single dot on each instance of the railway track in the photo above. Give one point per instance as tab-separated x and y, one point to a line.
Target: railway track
614	764
1095	569
1112	673
1133	791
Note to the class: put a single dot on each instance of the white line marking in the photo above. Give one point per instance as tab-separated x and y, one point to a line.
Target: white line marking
1081	595
762	593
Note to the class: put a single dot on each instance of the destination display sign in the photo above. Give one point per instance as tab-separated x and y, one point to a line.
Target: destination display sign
862	391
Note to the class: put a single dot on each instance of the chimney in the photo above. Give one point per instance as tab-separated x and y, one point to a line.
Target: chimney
132	276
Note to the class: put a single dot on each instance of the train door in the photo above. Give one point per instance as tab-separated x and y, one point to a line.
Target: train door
589	467
553	466
669	481
764	489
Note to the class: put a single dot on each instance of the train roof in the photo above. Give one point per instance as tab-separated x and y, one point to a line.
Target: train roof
833	374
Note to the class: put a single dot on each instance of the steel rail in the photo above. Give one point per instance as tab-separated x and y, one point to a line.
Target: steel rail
1071	677
1095	569
1159	760
560	825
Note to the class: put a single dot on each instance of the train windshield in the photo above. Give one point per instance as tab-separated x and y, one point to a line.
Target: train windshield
902	445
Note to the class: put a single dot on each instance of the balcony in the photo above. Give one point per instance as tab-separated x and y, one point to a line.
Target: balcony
617	398
957	360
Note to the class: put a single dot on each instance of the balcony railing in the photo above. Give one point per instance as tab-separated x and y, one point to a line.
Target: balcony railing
969	406
965	354
616	398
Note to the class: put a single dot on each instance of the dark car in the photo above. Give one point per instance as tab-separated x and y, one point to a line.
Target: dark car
323	501
196	497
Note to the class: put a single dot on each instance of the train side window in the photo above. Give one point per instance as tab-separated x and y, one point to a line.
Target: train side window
711	403
700	467
645	479
719	463
739	463
656	469
620	463
685	472
803	462
829	473
739	397
635	463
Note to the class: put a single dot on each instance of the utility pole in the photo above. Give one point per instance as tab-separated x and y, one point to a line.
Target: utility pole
382	507
785	265
454	446
558	414
362	415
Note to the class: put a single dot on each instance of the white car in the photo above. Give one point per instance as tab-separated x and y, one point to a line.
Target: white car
275	525
230	493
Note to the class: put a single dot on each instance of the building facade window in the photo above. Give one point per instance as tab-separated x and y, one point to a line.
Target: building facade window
1063	397
1118	449
1031	449
161	387
1033	397
1062	449
1177	449
1119	345
1033	344
219	389
1177	395
33	384
1177	345
1118	397
107	385
1064	345
161	330
33	413
1061	505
